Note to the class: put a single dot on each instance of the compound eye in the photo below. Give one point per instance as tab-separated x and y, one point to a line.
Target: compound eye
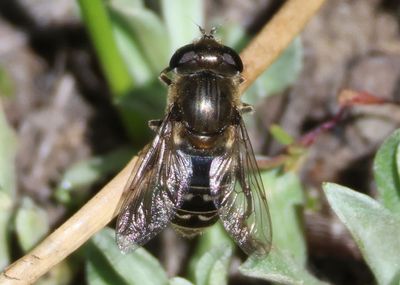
232	59
183	55
228	59
187	56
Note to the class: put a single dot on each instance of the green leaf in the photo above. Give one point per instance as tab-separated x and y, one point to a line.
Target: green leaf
233	35
212	267
286	263
61	274
181	18
98	272
374	228
179	281
145	44
147	31
137	4
209	263
99	27
31	224
128	45
280	135
386	172
285	70
80	176
7	85
285	197
278	267
143	104
6	205
216	236
107	265
134	59
281	74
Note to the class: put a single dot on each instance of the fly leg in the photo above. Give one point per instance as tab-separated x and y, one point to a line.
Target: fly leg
163	77
245	108
175	112
154	125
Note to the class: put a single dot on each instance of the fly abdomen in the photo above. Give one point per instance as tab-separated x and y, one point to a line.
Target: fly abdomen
198	210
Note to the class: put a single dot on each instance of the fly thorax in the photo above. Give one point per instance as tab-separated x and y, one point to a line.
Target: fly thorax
206	103
194	144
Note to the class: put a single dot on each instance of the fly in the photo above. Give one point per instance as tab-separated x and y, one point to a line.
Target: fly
200	167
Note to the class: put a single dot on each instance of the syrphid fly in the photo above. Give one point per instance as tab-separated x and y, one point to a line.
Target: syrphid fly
200	167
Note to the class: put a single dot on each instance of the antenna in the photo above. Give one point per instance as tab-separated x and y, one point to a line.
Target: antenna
201	29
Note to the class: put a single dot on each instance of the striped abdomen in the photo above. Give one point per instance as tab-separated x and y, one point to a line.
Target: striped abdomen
198	209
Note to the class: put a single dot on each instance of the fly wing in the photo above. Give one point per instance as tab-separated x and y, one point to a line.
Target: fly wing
155	191
239	195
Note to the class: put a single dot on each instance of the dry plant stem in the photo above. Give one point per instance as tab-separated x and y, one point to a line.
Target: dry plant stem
102	208
93	216
275	37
